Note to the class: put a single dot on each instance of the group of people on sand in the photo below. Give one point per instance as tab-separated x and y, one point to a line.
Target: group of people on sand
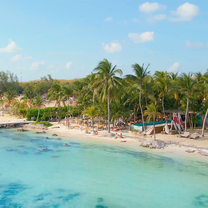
120	136
94	133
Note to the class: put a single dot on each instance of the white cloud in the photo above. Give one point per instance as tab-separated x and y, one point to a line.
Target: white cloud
175	67
68	65
11	47
112	47
194	45
151	7
20	57
108	19
142	38
185	12
36	65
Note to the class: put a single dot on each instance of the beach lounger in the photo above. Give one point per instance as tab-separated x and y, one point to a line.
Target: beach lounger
100	127
184	135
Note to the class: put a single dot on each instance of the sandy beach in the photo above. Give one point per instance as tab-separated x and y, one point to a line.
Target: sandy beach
10	118
174	144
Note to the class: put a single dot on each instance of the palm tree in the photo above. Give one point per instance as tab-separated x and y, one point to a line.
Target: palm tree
187	86
204	84
152	112
10	95
91	112
2	103
107	81
56	93
140	75
162	82
67	93
29	94
38	102
204	122
91	85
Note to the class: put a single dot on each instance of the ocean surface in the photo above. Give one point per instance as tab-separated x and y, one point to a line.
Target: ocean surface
93	174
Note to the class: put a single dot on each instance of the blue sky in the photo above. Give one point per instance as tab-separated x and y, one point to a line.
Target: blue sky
67	39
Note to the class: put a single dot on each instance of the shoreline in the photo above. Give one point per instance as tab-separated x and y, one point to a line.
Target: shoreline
174	145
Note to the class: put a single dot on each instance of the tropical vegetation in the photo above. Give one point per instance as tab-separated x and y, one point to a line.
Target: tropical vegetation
108	96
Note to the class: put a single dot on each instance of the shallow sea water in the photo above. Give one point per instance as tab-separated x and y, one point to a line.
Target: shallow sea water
89	174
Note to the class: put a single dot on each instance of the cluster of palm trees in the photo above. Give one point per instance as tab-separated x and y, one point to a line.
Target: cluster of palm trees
107	95
140	94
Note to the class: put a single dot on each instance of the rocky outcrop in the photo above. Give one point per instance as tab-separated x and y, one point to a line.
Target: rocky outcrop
40	132
36	126
153	144
203	153
190	151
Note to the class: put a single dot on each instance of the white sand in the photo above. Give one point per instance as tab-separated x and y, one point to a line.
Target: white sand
175	145
10	118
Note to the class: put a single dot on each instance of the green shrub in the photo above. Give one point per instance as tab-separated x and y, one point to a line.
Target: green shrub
46	113
43	122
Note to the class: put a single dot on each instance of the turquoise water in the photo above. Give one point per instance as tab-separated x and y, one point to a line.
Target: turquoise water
88	174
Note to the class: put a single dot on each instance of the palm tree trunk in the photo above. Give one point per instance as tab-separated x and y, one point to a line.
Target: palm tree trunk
68	113
134	115
140	105
204	122
59	113
163	107
154	127
93	124
108	111
38	114
186	116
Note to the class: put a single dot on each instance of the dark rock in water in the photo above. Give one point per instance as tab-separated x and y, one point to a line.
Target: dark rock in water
22	152
54	135
71	196
201	201
65	145
58	139
47	137
100	200
42	146
45	149
40	132
21	130
100	206
10	150
55	156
